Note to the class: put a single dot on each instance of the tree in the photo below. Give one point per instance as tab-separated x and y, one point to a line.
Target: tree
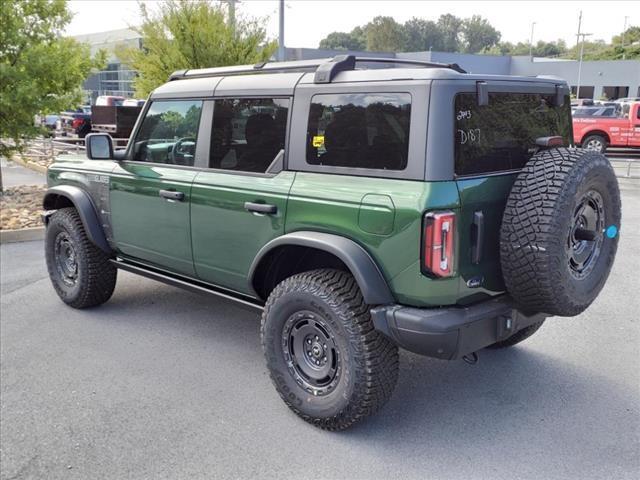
40	71
344	41
478	34
384	34
450	28
188	34
421	35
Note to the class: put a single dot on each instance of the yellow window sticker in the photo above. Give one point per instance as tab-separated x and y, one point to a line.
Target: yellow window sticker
318	141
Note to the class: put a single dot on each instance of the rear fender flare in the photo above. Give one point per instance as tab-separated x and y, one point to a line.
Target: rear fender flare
372	283
85	208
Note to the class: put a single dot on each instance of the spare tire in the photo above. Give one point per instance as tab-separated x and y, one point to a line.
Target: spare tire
559	231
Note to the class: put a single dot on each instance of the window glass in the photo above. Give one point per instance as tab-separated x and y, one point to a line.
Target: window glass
502	136
248	133
168	133
359	130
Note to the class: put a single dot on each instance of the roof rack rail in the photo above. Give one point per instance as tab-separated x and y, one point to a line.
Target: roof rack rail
403	61
325	69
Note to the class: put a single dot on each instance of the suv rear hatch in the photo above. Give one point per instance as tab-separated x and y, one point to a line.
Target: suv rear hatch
492	143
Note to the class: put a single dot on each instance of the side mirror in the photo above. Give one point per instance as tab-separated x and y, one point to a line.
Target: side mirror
99	146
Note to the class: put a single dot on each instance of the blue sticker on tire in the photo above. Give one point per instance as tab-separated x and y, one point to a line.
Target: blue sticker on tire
611	231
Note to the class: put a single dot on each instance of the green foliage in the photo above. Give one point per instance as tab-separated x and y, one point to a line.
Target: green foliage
540	49
450	28
448	34
422	35
478	34
354	40
187	34
40	72
470	35
384	34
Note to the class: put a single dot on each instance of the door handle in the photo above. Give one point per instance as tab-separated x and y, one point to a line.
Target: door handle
263	208
171	195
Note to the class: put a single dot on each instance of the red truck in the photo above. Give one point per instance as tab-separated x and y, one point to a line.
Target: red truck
598	133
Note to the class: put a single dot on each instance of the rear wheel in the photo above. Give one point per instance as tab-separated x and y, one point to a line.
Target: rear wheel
80	272
327	362
595	143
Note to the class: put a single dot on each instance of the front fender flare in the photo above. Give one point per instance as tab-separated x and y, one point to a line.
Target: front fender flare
372	283
87	211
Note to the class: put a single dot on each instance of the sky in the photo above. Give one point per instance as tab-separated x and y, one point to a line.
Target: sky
309	21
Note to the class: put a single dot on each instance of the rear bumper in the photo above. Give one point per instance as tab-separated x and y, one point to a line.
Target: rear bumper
451	332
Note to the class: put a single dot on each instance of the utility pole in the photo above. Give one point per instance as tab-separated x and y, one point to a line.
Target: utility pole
232	12
281	51
578	35
626	17
533	24
583	35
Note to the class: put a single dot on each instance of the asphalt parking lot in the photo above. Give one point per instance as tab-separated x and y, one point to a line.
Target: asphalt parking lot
160	383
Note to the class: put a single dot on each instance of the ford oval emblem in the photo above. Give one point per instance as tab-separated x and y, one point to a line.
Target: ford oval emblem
475	282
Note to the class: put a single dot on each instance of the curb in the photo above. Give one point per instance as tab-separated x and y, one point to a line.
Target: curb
29	164
21	235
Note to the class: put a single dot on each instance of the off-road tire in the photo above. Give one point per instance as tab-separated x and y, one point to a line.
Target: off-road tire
594	139
519	336
368	368
539	227
95	276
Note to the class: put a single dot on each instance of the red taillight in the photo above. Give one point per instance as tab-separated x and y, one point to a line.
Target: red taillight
439	244
77	122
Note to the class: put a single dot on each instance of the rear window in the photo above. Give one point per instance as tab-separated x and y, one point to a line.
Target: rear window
502	136
359	130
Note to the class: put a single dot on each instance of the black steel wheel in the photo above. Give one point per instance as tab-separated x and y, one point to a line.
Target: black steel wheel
80	272
585	237
65	259
327	362
310	350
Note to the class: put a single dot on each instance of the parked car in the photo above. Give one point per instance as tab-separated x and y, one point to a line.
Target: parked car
359	210
599	132
50	122
597	111
76	123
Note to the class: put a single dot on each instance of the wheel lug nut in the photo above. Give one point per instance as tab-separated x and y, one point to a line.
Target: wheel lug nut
316	337
309	341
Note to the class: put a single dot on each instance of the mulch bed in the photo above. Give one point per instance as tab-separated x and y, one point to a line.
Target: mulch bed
20	207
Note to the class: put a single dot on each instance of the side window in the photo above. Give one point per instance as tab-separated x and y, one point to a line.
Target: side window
248	133
359	130
169	132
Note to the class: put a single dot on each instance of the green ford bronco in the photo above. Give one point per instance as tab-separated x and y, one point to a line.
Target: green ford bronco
361	204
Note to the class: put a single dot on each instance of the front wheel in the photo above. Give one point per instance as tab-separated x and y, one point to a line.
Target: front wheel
595	143
80	272
327	362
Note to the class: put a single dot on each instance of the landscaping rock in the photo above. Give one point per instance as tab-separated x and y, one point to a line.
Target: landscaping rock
20	207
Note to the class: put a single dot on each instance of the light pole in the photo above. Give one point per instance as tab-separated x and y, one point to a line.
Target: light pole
626	17
232	12
583	35
533	24
281	52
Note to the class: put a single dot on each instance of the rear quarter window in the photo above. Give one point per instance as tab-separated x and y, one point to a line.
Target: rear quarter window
502	136
359	130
